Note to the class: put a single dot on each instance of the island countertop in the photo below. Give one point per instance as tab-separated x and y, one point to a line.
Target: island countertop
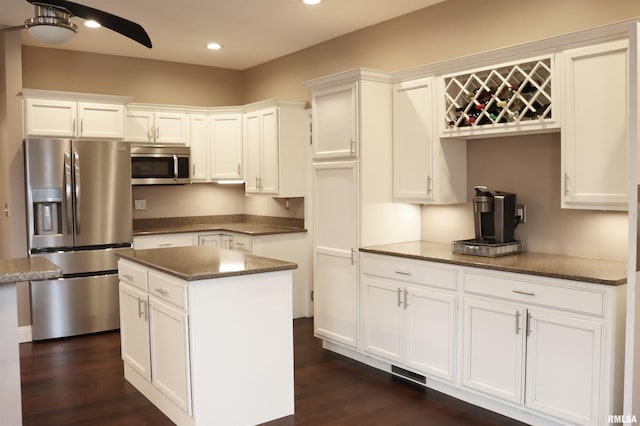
28	269
193	263
598	271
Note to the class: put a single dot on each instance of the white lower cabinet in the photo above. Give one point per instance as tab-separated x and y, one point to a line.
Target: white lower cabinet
541	350
155	332
171	372
409	324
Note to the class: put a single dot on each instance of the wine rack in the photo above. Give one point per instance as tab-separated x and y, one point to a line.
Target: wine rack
507	94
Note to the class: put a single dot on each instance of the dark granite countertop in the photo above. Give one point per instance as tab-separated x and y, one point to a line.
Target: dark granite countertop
248	228
202	262
596	271
28	269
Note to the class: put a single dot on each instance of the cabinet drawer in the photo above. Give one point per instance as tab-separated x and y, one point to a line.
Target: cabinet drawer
168	288
242	243
132	274
550	293
409	270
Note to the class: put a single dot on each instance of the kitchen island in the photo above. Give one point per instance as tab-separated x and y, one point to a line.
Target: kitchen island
11	272
207	333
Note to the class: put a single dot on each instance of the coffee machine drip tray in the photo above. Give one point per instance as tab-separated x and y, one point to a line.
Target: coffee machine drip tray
486	248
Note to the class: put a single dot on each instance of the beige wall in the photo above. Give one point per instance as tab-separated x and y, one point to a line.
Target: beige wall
447	30
145	80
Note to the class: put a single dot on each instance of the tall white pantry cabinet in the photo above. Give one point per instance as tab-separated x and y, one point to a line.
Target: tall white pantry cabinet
351	193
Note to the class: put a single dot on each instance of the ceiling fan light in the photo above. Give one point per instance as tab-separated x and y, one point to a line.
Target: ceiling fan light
51	25
51	34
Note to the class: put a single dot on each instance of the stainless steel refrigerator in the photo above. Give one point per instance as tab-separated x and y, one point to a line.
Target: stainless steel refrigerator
78	196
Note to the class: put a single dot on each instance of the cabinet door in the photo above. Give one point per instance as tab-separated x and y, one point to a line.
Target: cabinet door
252	151
97	120
335	200
171	127
413	140
169	333
139	126
594	134
494	349
134	329
335	122
382	305
430	332
225	156
270	155
563	367
199	130
212	240
50	118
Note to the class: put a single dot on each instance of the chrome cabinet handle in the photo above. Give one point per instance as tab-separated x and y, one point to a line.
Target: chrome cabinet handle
566	184
162	291
81	126
518	322
164	245
74	127
529	324
408	274
399	297
406	296
353	146
429	184
353	256
140	304
128	276
526	293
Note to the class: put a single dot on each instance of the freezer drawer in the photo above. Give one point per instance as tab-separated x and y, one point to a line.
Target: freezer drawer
84	261
73	306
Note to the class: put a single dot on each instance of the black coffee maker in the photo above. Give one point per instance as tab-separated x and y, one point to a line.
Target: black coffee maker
494	215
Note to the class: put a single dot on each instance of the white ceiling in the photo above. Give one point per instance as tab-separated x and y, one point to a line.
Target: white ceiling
251	31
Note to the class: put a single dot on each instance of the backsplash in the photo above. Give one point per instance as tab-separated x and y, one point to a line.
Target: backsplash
529	166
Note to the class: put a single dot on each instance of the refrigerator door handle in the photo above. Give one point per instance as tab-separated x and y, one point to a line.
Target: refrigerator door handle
76	169
67	192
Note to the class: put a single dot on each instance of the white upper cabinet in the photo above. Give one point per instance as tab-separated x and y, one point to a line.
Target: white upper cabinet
335	122
161	127
595	130
275	136
225	147
59	117
199	130
216	146
426	169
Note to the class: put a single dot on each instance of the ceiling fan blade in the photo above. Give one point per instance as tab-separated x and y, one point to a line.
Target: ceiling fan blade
120	25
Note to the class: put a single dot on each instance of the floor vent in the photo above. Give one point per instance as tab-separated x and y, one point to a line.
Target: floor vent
409	375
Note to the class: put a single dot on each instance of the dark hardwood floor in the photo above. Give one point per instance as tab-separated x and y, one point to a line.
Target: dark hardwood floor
79	381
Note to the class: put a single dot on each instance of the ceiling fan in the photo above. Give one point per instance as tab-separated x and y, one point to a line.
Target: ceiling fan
52	23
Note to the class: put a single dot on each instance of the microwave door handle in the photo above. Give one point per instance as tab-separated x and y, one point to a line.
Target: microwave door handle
76	169
67	192
175	167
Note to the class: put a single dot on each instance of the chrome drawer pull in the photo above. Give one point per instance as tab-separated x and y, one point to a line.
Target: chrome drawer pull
127	276
162	291
403	273
526	293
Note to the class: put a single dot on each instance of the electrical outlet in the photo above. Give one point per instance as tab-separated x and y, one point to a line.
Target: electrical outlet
521	213
140	204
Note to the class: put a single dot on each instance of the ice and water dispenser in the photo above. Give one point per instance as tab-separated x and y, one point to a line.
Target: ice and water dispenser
47	208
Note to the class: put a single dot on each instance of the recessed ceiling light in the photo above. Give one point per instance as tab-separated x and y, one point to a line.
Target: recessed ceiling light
92	24
214	46
311	2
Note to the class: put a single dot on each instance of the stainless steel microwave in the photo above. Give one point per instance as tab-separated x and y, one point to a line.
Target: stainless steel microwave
160	164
